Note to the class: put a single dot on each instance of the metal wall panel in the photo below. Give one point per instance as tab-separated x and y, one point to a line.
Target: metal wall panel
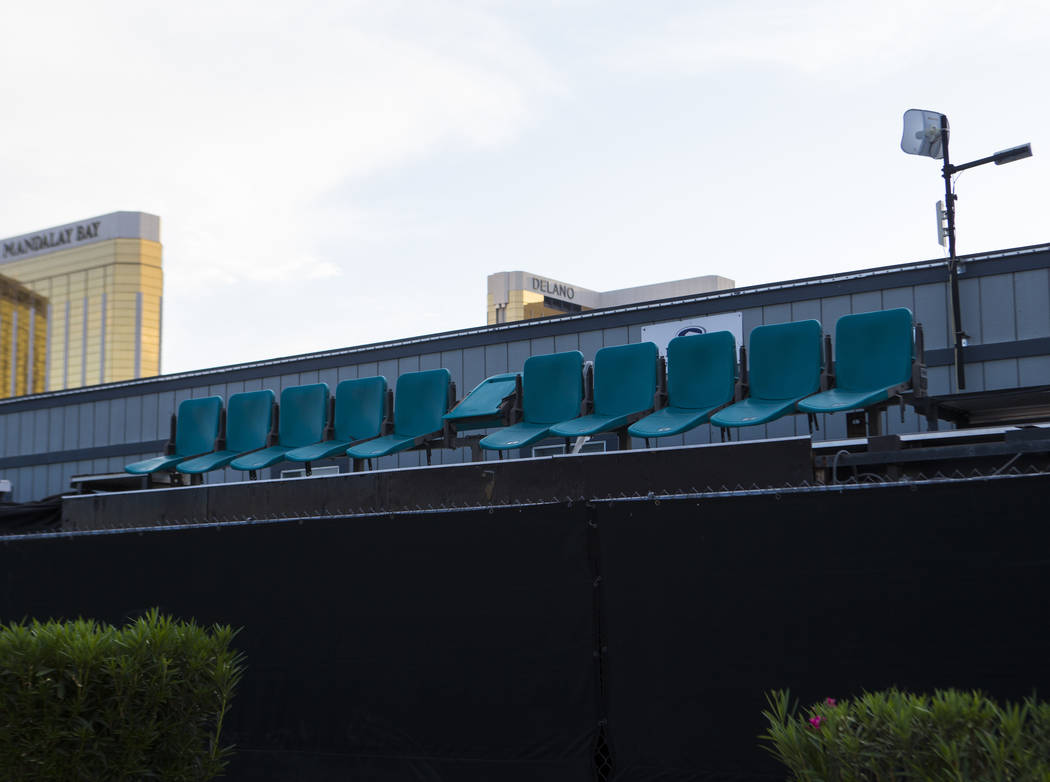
865	302
899	297
614	336
808	310
101	414
564	342
86	421
590	343
1032	303
473	367
931	310
751	318
831	309
165	409
9	425
998	310
453	362
25	434
495	362
119	422
133	420
517	352
1000	374
56	417
406	365
776	313
40	431
974	377
542	346
1034	371
430	361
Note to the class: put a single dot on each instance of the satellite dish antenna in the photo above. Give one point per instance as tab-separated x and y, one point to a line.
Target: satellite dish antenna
923	133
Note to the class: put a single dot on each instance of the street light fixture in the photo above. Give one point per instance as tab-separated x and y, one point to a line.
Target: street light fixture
926	133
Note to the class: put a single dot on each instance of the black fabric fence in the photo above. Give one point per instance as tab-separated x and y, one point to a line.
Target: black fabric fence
626	640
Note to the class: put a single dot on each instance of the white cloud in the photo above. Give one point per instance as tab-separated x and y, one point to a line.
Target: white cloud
829	39
232	119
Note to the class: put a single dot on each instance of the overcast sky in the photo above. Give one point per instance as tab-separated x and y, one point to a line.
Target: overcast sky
336	173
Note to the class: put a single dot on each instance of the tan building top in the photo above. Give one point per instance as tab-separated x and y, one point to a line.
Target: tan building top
520	295
103	280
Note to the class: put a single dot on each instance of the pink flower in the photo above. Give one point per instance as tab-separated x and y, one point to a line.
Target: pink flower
831	702
816	722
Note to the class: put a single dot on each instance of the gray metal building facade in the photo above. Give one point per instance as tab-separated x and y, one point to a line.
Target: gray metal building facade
45	439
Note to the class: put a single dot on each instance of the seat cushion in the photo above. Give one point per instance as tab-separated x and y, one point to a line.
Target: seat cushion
311	453
257	460
588	425
752	412
837	399
517	435
670	421
381	446
155	464
207	462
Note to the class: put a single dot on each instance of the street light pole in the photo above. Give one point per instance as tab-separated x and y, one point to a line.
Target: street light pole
926	133
953	264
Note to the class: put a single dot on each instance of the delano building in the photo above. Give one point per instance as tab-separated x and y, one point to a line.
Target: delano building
103	282
519	295
23	339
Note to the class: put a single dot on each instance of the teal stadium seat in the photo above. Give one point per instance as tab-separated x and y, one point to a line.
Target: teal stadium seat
485	406
196	430
785	366
552	391
701	378
873	359
302	420
624	390
420	401
360	408
249	421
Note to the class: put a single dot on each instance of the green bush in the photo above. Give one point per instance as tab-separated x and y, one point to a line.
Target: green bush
889	736
86	701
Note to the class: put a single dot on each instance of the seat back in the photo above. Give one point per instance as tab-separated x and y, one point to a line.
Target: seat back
786	360
420	399
197	425
359	408
701	370
874	349
304	415
249	419
484	406
625	378
552	387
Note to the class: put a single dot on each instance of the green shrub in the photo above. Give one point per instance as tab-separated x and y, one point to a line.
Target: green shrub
888	736
86	701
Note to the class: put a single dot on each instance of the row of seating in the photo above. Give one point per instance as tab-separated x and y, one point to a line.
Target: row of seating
306	426
628	389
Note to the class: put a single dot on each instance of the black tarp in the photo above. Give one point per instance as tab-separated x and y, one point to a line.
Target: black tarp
711	603
417	646
511	643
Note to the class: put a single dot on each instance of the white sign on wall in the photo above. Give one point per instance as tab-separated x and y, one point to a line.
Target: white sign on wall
662	333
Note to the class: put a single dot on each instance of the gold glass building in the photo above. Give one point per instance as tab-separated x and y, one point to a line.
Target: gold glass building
519	295
23	339
104	285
